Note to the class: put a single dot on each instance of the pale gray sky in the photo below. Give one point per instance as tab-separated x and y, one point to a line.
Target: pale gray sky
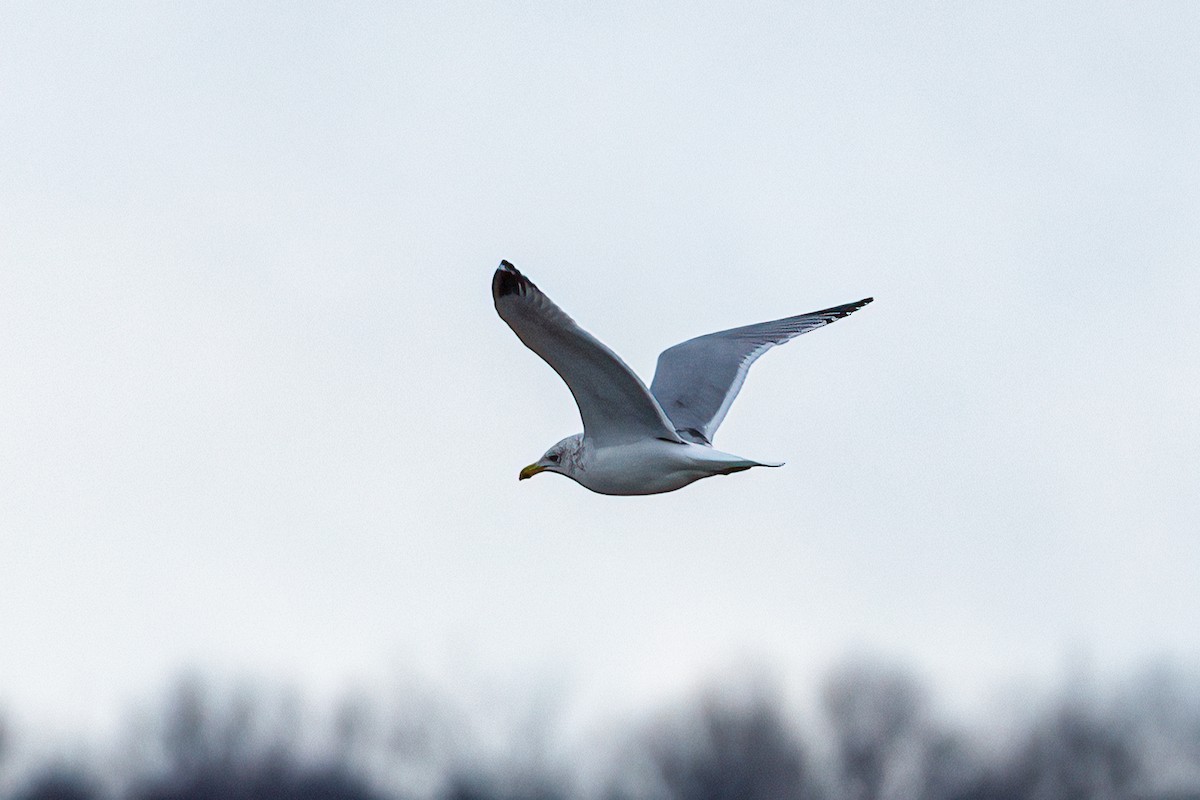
260	416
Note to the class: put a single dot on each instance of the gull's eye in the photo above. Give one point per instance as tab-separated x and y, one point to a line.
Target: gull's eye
552	458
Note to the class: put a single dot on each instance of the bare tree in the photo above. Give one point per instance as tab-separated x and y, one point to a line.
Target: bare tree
726	748
239	747
60	783
1078	753
875	712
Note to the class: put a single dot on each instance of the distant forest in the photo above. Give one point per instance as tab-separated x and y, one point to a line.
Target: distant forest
875	734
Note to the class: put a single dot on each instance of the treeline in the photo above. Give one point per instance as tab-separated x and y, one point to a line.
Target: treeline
875	736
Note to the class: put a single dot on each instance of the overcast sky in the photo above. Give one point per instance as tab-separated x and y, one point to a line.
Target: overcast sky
260	417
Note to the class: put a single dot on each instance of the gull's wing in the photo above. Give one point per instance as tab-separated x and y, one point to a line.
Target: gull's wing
696	381
615	405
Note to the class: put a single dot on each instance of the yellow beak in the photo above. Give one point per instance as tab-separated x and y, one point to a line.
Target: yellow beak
530	471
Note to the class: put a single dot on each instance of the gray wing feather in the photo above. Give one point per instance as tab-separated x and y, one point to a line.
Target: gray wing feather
697	381
615	405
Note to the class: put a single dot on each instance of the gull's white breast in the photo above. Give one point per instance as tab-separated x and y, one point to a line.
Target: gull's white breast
652	466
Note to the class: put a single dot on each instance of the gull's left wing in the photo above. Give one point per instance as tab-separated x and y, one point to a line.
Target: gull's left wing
696	381
615	405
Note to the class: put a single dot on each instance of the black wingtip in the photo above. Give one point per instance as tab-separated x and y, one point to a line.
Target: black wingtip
837	312
507	280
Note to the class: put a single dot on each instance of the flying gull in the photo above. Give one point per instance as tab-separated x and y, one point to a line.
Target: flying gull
637	440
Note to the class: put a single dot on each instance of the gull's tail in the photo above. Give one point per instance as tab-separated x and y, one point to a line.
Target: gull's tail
745	464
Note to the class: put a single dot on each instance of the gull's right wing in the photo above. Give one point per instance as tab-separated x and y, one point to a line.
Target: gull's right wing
615	405
697	381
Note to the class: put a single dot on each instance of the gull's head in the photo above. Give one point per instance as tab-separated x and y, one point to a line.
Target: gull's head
563	458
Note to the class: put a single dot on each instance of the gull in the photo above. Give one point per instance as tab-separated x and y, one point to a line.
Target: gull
636	440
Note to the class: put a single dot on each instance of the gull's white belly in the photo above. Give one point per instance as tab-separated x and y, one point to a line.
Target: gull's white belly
653	466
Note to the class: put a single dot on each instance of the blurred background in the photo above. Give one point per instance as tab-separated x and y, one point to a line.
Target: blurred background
260	529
